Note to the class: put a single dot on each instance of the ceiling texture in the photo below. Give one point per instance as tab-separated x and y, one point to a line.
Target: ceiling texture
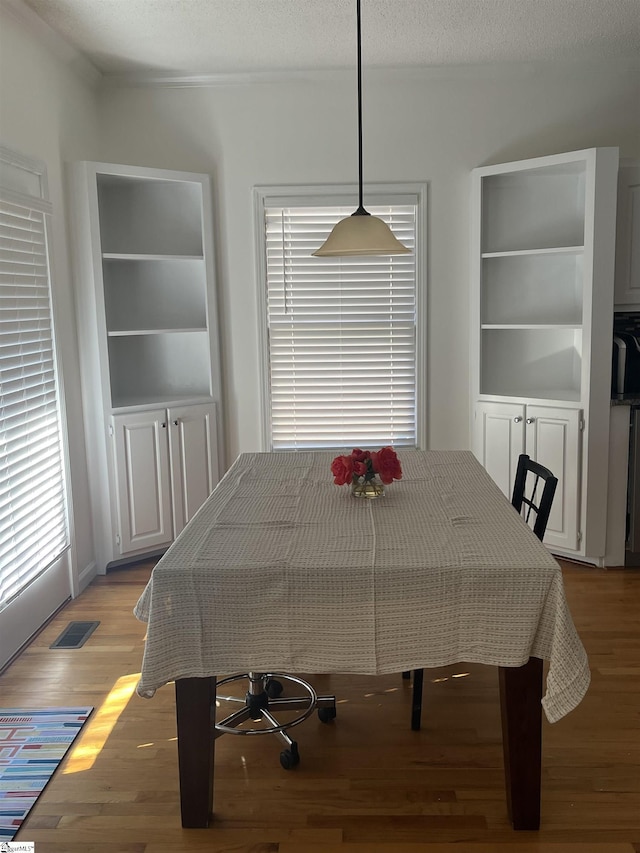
215	37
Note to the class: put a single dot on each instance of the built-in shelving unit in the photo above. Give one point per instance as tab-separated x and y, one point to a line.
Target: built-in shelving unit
532	250
148	329
543	250
155	289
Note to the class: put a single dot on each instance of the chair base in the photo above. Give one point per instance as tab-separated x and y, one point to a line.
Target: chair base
416	702
416	697
263	697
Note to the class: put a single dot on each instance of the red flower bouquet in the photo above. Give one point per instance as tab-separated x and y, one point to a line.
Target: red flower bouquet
362	467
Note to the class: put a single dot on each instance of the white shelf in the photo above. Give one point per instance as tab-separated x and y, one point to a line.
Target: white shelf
141	403
532	326
532	289
566	398
136	332
154	295
539	394
132	256
554	250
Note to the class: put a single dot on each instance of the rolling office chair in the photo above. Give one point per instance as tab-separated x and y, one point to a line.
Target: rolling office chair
263	697
526	499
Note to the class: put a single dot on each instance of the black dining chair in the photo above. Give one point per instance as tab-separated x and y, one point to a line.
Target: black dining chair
530	496
533	492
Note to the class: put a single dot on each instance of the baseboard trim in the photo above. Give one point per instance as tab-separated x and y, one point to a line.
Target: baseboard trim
30	640
86	576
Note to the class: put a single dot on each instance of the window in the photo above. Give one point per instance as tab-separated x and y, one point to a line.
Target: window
33	520
340	349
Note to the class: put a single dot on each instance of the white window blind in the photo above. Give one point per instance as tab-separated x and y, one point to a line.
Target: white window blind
33	522
341	334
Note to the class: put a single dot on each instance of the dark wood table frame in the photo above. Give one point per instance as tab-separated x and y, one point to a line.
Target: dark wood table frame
520	695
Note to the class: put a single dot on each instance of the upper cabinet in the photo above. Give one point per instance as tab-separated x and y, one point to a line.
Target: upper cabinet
542	305
148	330
627	288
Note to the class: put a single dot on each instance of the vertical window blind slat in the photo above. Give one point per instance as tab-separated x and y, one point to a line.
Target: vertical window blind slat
33	520
341	334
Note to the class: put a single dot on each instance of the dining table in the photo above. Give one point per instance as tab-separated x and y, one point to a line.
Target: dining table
281	570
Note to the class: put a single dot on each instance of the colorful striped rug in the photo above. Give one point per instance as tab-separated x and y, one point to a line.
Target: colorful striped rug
32	745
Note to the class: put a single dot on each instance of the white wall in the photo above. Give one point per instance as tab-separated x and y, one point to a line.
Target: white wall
48	112
422	125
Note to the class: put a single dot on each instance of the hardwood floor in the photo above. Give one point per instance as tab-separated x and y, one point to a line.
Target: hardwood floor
366	783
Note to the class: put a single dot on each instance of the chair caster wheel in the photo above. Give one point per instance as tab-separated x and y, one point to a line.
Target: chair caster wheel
273	688
290	757
325	715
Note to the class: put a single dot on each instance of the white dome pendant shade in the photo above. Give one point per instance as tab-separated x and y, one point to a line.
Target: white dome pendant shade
361	233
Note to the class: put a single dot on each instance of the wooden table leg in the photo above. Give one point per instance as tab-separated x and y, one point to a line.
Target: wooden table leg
520	695
195	710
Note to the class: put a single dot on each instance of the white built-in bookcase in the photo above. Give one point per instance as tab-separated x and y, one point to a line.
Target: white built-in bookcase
154	272
532	282
148	329
543	243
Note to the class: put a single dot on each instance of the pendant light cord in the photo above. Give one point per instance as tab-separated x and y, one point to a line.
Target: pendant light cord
360	211
349	236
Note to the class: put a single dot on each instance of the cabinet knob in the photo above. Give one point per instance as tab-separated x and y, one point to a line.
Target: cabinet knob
517	419
164	426
530	420
176	423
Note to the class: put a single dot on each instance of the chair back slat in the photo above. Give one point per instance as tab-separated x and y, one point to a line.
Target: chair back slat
523	498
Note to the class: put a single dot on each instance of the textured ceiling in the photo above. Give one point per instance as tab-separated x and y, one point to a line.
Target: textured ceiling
231	36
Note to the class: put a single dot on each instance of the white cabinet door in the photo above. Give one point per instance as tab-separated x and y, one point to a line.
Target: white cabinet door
193	449
143	486
627	280
499	438
553	440
550	436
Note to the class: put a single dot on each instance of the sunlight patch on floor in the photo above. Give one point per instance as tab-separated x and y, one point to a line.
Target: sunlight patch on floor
101	724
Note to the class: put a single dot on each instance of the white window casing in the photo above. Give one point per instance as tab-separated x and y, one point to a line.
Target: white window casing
33	514
343	349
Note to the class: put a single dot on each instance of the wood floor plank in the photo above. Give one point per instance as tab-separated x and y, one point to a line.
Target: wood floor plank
366	782
438	847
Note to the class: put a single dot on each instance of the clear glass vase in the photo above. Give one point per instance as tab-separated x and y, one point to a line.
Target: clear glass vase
367	488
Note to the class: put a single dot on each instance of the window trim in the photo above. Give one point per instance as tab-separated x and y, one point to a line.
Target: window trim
342	194
15	161
12	164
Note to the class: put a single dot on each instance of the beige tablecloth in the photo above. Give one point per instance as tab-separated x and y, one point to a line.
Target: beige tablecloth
283	570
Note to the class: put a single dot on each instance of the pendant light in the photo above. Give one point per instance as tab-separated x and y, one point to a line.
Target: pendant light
361	233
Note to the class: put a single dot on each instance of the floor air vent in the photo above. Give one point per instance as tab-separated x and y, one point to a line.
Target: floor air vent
74	635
